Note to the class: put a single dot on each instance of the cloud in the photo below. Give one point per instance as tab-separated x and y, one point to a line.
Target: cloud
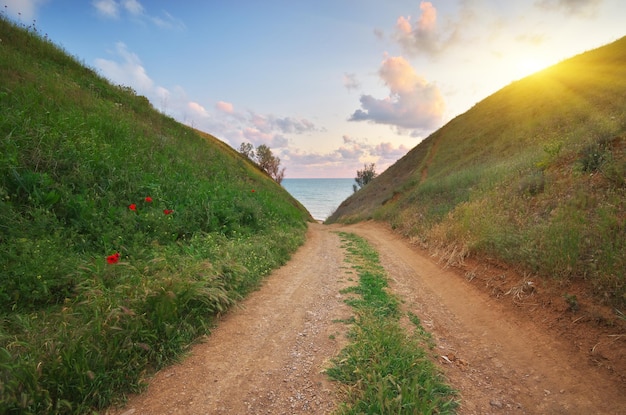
168	22
289	125
584	8
285	125
133	7
107	8
343	161
113	9
236	127
225	107
350	82
256	137
129	71
24	10
423	36
379	34
386	152
412	104
197	109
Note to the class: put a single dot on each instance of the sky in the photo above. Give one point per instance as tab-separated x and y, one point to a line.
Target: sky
328	85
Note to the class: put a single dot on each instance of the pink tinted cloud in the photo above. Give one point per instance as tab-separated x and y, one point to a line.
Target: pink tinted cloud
425	36
197	109
225	107
344	161
257	137
412	104
428	18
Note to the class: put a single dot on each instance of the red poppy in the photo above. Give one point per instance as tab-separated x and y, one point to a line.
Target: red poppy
113	259
133	207
167	211
253	190
148	199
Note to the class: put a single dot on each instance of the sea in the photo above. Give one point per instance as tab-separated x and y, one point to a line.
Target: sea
319	196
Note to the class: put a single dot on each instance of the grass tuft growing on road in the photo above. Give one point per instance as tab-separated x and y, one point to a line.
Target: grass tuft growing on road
385	369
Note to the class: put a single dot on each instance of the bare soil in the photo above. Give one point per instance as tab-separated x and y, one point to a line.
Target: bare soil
507	343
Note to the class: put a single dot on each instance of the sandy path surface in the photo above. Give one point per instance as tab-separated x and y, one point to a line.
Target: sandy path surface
268	355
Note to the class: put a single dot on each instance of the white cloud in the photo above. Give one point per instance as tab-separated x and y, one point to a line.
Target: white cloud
129	71
133	7
24	10
107	8
197	109
113	9
412	104
167	21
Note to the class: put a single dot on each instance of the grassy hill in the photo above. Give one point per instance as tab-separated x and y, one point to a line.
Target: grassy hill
534	176
122	232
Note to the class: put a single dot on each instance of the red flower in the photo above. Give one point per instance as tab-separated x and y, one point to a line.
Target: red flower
133	207
148	199
253	190
113	259
167	211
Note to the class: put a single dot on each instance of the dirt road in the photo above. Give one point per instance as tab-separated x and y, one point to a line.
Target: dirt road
267	356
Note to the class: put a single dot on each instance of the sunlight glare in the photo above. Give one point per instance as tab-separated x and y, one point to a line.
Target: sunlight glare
529	66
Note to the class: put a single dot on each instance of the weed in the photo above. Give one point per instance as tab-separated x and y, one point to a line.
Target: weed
572	302
593	156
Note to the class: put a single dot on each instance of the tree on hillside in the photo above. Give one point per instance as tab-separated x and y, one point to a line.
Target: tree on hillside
265	159
247	149
364	176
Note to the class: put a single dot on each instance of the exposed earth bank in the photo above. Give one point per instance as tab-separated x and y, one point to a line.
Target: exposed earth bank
508	344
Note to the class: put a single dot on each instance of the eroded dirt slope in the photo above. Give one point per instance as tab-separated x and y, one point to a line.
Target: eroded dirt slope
267	356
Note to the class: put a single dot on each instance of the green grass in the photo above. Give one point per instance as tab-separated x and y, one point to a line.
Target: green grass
534	175
77	332
385	369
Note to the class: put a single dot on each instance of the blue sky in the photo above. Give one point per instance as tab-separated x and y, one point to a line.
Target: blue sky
328	85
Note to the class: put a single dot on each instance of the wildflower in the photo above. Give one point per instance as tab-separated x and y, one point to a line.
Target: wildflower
167	211
133	207
113	259
148	199
253	190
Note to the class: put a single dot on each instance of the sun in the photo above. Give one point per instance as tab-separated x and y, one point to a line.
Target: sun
529	65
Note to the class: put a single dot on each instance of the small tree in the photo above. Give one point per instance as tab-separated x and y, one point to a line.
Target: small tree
247	149
269	162
364	176
265	159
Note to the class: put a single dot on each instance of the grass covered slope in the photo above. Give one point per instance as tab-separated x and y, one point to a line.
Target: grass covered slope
122	232
534	175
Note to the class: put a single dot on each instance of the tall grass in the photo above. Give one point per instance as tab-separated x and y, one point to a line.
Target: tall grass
385	369
122	232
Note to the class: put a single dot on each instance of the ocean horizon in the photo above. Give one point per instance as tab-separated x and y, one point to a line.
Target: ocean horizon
320	197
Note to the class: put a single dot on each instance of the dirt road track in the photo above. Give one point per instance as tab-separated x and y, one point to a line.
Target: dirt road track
266	357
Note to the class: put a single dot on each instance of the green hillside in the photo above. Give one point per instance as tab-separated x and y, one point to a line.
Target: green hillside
534	175
122	232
